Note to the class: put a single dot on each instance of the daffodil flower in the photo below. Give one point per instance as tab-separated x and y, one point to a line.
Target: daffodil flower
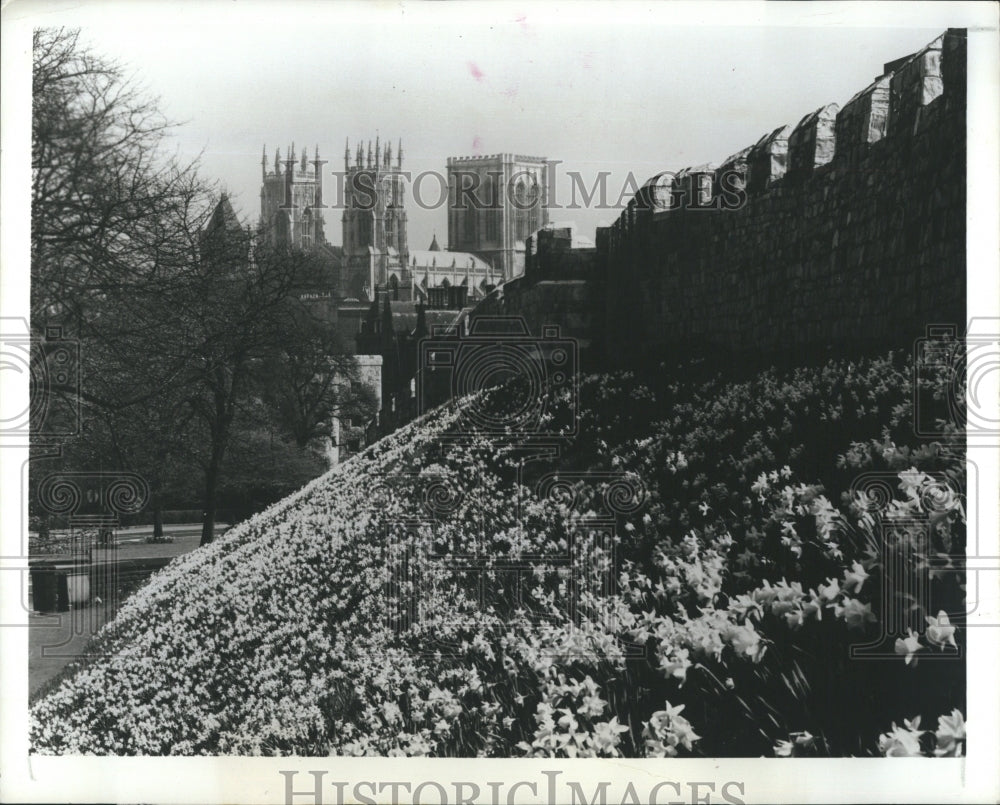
855	577
950	735
940	632
909	646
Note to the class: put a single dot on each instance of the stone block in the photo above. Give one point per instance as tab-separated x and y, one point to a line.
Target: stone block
915	84
767	160
813	142
657	192
863	120
732	172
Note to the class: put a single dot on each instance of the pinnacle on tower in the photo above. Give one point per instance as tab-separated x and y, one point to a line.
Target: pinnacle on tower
399	154
369	153
277	160
347	153
388	155
304	163
378	152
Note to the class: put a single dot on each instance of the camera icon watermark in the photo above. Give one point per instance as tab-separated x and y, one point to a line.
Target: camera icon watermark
505	382
956	383
51	364
928	567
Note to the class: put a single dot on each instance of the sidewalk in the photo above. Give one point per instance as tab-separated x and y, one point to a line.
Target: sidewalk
55	640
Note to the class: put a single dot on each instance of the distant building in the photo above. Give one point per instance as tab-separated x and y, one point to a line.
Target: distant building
291	217
374	221
291	200
349	436
224	240
390	335
380	295
494	203
434	268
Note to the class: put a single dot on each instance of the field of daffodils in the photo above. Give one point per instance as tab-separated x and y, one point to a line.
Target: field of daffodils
684	567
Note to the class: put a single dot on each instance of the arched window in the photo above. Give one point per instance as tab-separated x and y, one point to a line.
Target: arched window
520	210
492	212
534	207
306	238
281	228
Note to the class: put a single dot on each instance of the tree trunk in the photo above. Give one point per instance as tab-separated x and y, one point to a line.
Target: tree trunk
211	484
157	522
208	521
208	525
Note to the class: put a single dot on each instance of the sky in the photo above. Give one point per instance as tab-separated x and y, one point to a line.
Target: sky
636	88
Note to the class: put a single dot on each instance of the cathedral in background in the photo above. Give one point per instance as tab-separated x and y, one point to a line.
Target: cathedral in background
379	294
494	204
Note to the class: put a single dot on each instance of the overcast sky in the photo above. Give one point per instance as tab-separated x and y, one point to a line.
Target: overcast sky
637	89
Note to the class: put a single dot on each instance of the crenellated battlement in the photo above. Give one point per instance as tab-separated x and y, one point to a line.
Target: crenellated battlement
893	106
454	161
848	227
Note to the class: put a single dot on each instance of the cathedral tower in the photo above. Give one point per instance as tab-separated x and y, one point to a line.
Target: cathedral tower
494	203
374	220
291	200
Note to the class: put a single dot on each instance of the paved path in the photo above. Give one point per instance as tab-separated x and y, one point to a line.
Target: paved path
56	640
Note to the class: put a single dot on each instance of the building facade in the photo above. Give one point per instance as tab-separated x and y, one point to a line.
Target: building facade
374	221
291	200
494	203
435	269
377	293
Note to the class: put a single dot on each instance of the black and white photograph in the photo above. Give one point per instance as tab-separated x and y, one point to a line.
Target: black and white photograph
500	402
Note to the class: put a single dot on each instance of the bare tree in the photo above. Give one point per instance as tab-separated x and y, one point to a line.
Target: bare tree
175	309
310	378
107	207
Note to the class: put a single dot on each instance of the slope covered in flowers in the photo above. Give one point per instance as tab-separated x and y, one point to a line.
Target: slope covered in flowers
687	574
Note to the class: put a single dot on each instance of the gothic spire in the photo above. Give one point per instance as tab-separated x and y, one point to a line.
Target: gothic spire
399	154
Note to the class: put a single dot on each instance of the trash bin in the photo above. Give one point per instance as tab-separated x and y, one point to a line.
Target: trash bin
56	586
44	591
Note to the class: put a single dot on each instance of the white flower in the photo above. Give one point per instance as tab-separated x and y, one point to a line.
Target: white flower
901	741
911	480
855	577
855	613
950	735
909	646
940	632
